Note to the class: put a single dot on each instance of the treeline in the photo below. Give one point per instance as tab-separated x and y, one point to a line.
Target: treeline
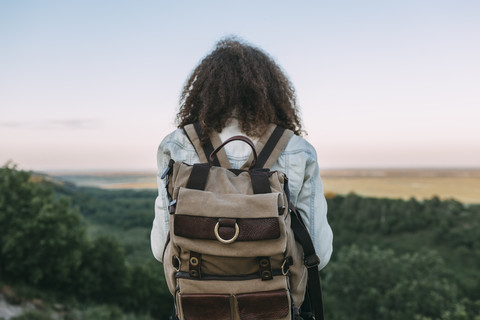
43	243
396	259
119	208
392	259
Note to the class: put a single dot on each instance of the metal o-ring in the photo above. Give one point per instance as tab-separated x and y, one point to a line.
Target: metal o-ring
194	273
194	261
263	263
235	236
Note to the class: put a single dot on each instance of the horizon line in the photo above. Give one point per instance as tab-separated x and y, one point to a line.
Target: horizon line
349	168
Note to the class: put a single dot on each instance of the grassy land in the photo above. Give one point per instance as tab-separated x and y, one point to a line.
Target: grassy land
464	189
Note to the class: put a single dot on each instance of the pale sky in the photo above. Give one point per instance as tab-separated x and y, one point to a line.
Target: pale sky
95	84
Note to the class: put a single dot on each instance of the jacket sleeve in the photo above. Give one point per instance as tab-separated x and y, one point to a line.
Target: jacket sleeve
158	235
312	207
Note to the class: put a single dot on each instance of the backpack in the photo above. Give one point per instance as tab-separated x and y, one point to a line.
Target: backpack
237	249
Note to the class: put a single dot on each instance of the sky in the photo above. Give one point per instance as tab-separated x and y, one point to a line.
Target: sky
94	85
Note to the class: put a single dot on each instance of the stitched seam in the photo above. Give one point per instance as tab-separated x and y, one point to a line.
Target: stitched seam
312	212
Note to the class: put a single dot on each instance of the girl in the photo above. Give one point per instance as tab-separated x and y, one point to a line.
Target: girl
239	90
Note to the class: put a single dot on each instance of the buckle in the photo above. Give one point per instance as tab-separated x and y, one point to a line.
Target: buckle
286	265
167	169
172	206
177	263
311	261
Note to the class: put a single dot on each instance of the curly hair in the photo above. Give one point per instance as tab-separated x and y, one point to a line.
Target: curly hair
241	81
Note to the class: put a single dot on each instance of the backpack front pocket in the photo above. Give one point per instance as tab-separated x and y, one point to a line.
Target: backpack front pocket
206	306
248	299
263	305
234	225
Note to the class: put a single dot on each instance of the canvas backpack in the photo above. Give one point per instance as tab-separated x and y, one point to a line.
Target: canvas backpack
236	248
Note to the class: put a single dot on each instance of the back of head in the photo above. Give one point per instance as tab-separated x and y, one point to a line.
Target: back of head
241	81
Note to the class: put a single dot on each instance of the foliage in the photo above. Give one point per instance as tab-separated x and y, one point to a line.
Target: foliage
27	214
98	312
392	259
43	243
106	312
120	208
396	259
33	315
379	284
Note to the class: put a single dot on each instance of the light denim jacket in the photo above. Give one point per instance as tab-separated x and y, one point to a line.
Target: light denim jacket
298	161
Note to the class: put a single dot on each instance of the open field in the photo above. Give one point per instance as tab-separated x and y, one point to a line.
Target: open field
466	190
463	185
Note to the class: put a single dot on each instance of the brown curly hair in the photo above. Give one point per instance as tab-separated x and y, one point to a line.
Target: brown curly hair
237	79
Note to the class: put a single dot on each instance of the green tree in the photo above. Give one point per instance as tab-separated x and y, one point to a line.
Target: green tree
378	284
103	274
41	239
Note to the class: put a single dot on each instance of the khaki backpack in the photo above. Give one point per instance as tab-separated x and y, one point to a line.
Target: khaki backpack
236	247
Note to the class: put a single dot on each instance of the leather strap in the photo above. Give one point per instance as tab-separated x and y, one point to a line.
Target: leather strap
205	148
260	181
270	146
235	138
280	145
191	133
207	145
222	154
313	295
198	177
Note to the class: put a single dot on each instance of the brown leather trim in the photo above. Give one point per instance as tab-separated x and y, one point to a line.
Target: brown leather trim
206	306
260	181
263	305
195	227
195	264
206	277
198	177
265	268
235	138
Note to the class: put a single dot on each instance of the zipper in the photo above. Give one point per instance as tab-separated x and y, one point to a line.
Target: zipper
251	276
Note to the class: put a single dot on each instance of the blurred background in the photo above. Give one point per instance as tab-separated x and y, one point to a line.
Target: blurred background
95	85
389	97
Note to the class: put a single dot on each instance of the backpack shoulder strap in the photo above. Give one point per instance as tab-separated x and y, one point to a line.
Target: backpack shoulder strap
313	303
195	135
270	146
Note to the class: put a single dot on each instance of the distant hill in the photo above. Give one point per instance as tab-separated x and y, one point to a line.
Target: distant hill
461	184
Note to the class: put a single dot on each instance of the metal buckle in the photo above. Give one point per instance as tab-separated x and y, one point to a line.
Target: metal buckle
179	263
172	206
285	272
167	169
219	238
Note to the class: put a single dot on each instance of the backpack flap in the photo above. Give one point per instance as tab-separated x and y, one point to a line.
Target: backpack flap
229	224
